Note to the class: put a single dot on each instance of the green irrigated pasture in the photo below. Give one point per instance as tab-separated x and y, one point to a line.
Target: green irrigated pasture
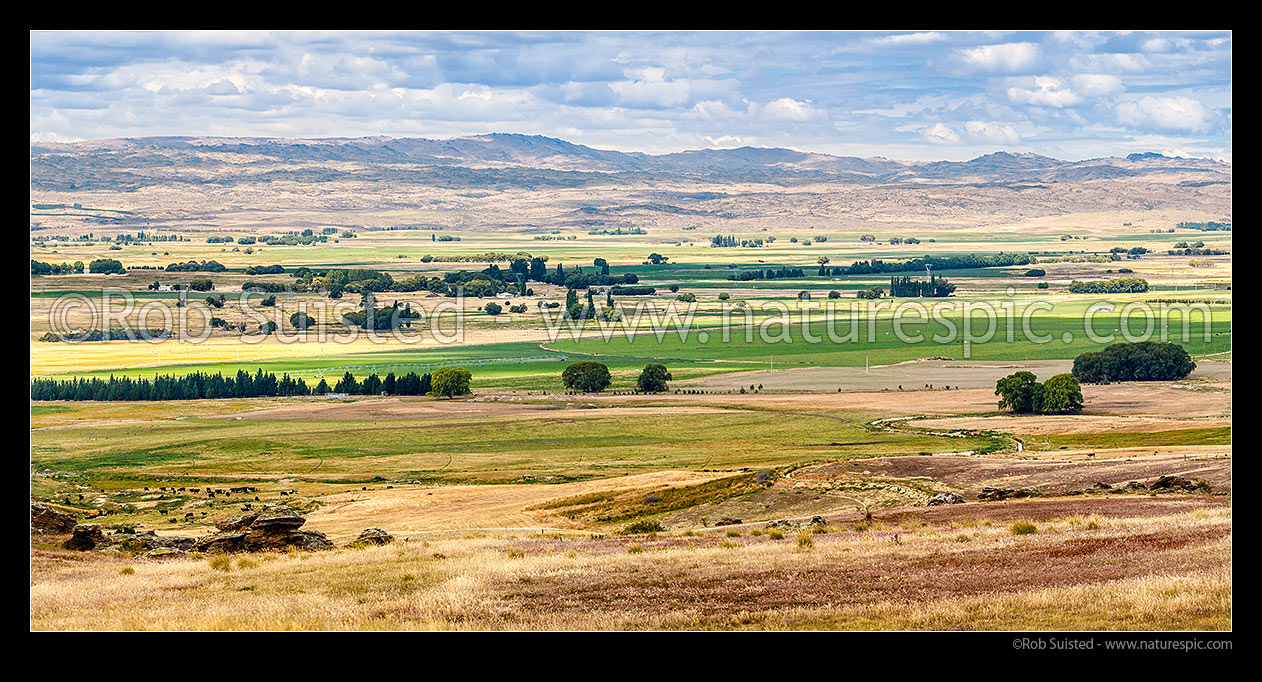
705	351
790	345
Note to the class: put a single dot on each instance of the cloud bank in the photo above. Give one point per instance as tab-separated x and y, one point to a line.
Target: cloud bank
913	95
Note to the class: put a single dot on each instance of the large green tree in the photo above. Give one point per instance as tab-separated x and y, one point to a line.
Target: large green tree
450	381
301	320
586	376
1020	392
653	379
1062	393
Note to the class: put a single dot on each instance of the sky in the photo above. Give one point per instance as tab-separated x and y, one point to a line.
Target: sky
914	95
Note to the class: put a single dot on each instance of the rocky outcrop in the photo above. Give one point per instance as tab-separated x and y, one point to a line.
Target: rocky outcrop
276	527
997	494
372	536
85	536
784	524
1178	484
45	519
817	521
944	499
145	541
727	521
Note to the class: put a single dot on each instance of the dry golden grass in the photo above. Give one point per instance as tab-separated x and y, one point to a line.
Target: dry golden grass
909	576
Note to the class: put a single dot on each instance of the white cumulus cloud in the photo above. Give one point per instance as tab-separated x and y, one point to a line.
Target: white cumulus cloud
992	133
1178	114
1004	58
940	134
789	109
1045	91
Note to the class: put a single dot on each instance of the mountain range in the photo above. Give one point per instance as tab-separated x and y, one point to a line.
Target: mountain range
498	158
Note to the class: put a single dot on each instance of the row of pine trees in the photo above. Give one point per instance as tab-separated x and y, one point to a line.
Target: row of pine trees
200	385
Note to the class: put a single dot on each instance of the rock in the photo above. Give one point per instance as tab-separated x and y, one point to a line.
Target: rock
277	517
314	541
85	536
145	541
372	536
224	541
784	524
273	528
236	522
727	521
994	494
1178	484
945	498
165	552
817	521
45	519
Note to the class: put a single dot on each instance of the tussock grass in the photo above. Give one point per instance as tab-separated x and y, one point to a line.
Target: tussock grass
476	585
1023	528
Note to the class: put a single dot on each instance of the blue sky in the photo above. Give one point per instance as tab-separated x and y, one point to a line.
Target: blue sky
906	95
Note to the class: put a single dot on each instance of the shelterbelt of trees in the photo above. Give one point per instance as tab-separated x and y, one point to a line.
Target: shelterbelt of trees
1120	285
487	282
444	382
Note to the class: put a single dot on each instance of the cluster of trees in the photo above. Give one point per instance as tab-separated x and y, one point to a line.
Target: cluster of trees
1144	361
1192	251
305	238
965	262
372	317
264	270
1120	285
720	240
575	277
869	294
1209	226
106	266
38	268
770	273
490	281
1023	394
264	287
934	287
593	377
619	230
632	291
195	266
111	334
